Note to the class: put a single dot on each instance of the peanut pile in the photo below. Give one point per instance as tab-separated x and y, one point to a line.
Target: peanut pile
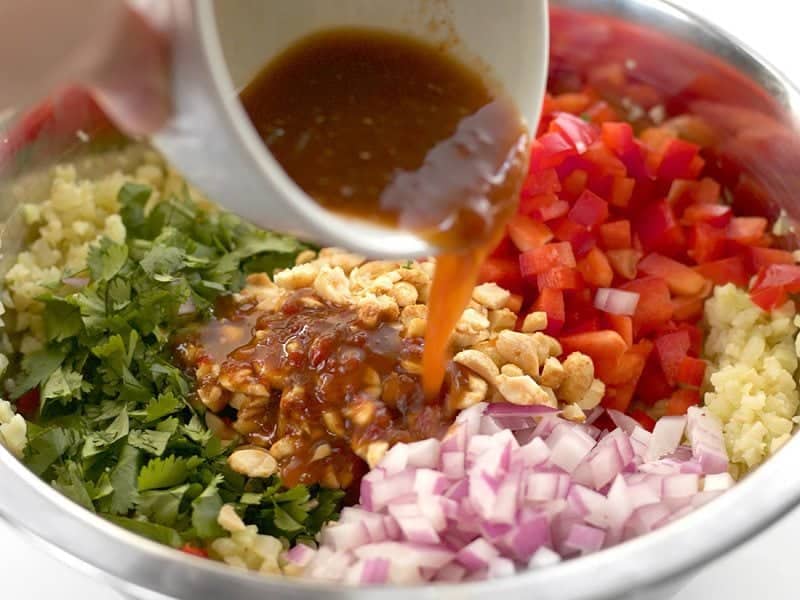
492	361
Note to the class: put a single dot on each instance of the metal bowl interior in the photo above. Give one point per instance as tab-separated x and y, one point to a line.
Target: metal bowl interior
699	69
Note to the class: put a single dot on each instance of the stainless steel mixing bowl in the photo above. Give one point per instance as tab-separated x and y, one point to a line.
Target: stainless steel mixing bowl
750	105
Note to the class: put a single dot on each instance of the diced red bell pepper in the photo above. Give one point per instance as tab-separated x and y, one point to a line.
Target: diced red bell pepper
680	401
747	231
683	193
688	308
658	229
599	345
672	348
623	325
603	163
502	271
695	337
504	249
589	210
28	404
549	256
654	307
653	385
560	278
618	397
544	207
567	230
550	150
571	102
551	301
527	233
574	184
194	551
769	298
677	160
707	243
691	371
718	215
621	191
625	369
681	280
764	257
787	276
728	270
601	112
773	284
544	181
624	261
575	130
615	235
618	137
595	269
646	421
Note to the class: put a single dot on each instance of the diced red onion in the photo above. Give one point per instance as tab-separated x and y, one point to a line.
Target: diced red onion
677	486
371	571
704	431
485	503
617	302
623	421
543	557
428	482
568	446
423	454
667	434
718	482
501	567
477	554
300	555
345	536
451	573
584	539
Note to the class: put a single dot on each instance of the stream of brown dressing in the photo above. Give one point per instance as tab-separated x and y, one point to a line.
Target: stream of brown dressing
388	129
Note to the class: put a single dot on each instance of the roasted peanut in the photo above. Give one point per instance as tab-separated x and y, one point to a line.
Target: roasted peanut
253	462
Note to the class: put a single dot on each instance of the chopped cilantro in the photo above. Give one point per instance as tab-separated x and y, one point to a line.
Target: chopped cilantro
118	431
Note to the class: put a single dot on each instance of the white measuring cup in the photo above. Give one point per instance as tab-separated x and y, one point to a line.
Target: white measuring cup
219	46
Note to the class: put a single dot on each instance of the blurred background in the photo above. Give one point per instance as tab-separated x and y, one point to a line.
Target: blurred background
759	569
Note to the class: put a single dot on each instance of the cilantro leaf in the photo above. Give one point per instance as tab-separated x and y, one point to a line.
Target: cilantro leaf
47	447
98	441
62	319
70	482
123	480
106	259
158	533
162	262
162	506
166	404
37	367
205	510
63	384
163	473
150	441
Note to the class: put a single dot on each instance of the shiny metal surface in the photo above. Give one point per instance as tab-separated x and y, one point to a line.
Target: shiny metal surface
646	568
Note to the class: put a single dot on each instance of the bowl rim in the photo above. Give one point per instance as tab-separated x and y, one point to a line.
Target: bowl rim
140	566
